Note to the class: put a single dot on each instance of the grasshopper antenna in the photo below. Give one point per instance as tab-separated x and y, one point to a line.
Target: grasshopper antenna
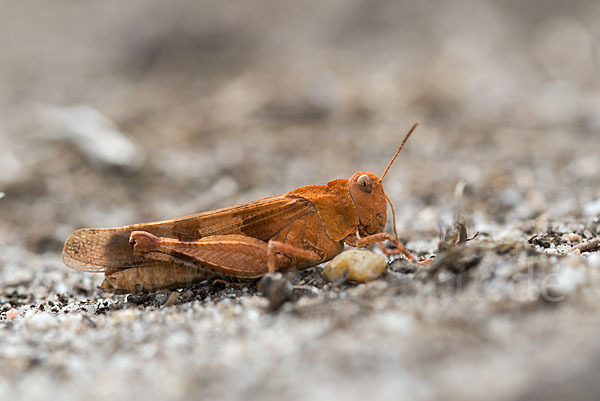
386	170
398	151
393	215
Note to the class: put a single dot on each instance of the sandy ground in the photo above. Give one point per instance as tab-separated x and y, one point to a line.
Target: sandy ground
114	113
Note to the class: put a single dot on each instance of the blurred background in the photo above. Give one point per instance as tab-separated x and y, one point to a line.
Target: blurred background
117	113
114	112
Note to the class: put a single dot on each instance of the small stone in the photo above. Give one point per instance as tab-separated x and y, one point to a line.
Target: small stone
160	298
138	298
254	302
41	321
574	259
558	285
572	237
362	266
93	134
277	289
90	308
12	313
123	315
18	277
594	260
592	208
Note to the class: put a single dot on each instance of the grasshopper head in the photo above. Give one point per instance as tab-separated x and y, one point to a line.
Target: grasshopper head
369	198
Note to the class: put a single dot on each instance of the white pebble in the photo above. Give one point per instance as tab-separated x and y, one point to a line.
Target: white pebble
566	281
160	298
92	133
592	208
90	308
593	259
18	277
41	321
123	315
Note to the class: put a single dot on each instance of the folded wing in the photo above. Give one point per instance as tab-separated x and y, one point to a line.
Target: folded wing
108	249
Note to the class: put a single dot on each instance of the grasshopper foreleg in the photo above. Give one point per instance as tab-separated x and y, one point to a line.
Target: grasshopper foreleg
369	240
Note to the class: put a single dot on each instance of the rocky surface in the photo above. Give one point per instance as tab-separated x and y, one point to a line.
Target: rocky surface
117	113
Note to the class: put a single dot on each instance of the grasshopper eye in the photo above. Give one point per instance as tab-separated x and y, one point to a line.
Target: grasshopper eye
365	183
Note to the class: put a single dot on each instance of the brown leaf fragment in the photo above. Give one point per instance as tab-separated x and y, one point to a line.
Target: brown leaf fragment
171	300
587	246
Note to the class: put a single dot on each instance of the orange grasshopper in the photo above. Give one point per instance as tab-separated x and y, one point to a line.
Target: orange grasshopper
297	230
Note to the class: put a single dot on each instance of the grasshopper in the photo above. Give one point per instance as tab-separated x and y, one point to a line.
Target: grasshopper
297	230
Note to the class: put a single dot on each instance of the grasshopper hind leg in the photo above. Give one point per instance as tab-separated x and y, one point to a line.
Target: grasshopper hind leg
231	255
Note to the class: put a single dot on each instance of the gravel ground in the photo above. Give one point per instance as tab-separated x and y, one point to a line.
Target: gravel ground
113	114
